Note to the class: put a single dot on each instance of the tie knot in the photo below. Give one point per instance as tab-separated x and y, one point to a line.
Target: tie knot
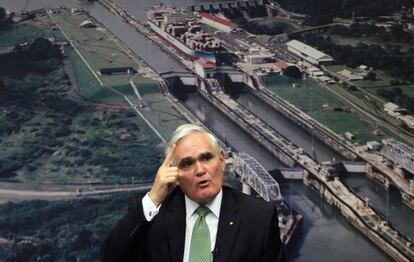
202	211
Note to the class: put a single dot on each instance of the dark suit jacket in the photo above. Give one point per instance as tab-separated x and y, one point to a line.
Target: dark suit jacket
247	231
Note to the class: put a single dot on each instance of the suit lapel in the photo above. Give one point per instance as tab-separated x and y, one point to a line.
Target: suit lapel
227	228
175	218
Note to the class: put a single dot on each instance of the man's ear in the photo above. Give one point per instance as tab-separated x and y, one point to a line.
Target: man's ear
222	159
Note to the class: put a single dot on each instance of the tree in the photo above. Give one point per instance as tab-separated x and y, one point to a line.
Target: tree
293	71
371	75
397	91
43	49
2	14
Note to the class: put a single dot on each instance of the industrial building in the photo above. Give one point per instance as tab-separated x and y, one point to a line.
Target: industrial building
218	22
308	53
394	110
117	71
399	113
259	58
350	76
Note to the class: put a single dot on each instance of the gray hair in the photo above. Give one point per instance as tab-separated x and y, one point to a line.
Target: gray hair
187	129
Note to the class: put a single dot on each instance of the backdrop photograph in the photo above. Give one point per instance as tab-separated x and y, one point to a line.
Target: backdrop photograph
311	104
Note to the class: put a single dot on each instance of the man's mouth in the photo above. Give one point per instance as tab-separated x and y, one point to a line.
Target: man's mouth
203	183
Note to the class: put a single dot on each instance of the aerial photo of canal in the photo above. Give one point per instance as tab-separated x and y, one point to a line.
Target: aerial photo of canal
75	189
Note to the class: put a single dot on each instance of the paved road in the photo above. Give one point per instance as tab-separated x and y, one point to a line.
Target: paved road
20	194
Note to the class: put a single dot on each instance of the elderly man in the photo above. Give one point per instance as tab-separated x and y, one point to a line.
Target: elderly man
189	215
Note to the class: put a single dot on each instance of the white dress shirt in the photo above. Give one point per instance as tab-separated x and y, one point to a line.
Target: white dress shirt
212	218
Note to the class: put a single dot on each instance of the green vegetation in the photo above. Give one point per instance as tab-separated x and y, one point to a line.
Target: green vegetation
146	85
100	50
52	137
252	12
87	84
397	96
322	106
323	11
407	90
306	93
49	133
341	122
59	231
262	27
373	56
96	46
395	33
17	34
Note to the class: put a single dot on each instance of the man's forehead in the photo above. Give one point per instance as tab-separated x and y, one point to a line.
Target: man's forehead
194	141
191	155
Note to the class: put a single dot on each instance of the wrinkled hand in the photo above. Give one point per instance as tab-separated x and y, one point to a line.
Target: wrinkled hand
165	180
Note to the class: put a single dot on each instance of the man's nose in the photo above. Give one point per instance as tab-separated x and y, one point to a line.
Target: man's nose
199	168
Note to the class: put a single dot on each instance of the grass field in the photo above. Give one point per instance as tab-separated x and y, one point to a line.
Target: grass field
382	81
27	31
97	46
146	85
341	122
100	50
407	89
18	34
307	94
310	98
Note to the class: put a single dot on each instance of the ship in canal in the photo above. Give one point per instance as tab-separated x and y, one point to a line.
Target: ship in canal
183	33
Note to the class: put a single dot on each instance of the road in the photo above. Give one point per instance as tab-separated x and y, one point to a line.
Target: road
65	192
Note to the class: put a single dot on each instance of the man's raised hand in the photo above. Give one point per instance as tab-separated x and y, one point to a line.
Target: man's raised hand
165	180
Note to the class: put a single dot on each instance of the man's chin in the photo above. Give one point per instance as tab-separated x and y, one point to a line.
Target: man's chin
205	195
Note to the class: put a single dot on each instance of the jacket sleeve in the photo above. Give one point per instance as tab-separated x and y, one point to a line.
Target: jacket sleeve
273	247
126	241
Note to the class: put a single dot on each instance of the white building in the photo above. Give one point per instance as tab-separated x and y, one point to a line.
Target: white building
373	145
259	58
394	110
349	135
87	24
314	72
408	120
348	75
308	53
219	23
399	113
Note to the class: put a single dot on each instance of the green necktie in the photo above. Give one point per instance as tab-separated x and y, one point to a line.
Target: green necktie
200	248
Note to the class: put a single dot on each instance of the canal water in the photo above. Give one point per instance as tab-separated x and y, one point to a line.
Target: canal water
326	235
282	125
228	131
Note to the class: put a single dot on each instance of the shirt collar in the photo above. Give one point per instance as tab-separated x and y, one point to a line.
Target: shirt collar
214	205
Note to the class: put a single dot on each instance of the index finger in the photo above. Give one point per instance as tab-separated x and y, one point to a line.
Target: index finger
168	158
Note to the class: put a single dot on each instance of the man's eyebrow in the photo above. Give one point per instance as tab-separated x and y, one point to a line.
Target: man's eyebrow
188	158
208	153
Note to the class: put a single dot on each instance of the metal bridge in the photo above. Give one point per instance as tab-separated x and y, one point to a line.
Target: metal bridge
320	28
399	153
254	174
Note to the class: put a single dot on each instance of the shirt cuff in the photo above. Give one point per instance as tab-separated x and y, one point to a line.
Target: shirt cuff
150	210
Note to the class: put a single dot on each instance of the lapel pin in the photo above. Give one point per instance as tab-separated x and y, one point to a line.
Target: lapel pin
231	223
